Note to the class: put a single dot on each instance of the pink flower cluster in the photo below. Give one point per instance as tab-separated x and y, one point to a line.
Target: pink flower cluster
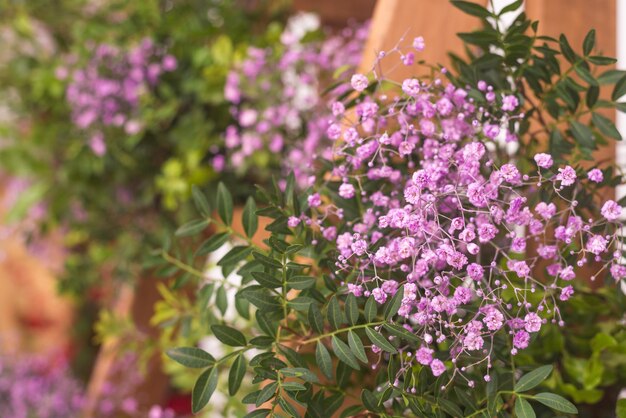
480	249
276	101
106	92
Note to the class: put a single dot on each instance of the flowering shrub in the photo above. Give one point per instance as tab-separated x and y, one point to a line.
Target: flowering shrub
107	91
110	119
275	97
425	257
33	388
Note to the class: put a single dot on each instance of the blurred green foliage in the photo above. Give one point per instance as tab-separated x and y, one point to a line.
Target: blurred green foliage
114	207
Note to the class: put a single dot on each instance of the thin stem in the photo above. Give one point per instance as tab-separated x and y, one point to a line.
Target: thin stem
339	331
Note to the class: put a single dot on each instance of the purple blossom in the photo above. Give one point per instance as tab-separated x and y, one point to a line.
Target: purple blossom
437	367
521	339
359	82
543	160
509	103
595	175
567	176
611	210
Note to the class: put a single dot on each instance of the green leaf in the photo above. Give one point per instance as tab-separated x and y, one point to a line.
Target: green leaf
511	7
249	218
267	280
235	255
600	60
523	409
236	374
370	309
449	407
224	204
267	261
566	49
266	393
602	341
301	303
212	244
583	134
301	282
401	332
259	413
228	335
293	386
242	305
316	321
620	409
200	201
301	372
586	75
472	8
619	90
556	402
221	300
589	42
352	309
533	378
334	313
288	408
192	357
356	346
203	389
480	38
592	96
606	126
611	76
351	411
323	360
369	400
343	352
294	248
394	304
380	341
192	227
261	299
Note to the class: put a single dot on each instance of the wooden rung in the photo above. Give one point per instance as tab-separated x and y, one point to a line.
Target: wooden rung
437	21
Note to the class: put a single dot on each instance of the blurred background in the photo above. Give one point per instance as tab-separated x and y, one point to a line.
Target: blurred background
110	110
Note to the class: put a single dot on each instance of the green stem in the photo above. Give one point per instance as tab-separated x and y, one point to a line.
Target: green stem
339	331
183	266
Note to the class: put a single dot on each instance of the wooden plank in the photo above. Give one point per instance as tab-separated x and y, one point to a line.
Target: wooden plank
437	21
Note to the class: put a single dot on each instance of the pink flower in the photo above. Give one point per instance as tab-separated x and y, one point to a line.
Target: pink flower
424	355
595	175
411	86
314	200
359	82
346	190
292	222
473	341
509	103
379	296
544	160
521	339
596	244
567	176
97	144
532	322
566	293
437	367
611	210
419	44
